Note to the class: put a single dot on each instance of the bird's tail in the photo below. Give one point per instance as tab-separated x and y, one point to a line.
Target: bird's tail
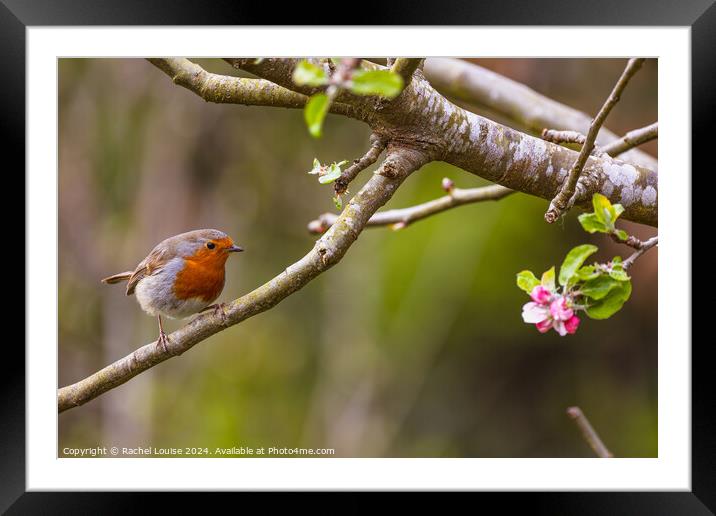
117	278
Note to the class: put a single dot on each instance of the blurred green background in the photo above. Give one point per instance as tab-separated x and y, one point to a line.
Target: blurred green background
413	346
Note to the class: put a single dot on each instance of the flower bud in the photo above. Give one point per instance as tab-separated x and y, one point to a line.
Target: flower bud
316	227
448	184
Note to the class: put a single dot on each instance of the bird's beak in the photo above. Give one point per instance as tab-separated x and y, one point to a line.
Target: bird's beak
234	249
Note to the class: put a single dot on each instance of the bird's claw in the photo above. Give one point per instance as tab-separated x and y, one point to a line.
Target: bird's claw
219	311
162	342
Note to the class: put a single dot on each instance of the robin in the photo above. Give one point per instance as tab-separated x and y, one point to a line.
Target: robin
182	275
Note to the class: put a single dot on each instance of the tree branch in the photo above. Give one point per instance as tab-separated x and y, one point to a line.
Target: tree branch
468	196
403	217
328	250
641	248
564	198
422	119
554	136
588	432
522	105
280	71
628	141
632	139
377	146
405	67
224	89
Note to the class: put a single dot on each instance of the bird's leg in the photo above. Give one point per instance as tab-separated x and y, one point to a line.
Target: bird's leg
219	310
163	339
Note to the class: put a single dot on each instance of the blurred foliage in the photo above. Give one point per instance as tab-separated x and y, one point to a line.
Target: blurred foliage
412	346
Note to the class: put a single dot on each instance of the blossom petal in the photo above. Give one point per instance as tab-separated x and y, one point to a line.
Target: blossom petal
541	295
534	313
559	327
544	326
572	324
559	309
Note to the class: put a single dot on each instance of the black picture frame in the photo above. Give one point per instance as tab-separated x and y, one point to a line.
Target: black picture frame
16	15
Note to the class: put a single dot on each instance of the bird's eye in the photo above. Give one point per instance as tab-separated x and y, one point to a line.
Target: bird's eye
210	245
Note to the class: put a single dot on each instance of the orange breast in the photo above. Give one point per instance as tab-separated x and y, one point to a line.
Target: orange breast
201	278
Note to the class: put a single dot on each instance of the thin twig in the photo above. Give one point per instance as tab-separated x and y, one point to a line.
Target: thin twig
554	136
632	139
574	137
400	218
627	142
644	247
565	197
588	432
377	145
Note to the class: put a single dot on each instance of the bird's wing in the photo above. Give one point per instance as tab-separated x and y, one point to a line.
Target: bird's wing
152	264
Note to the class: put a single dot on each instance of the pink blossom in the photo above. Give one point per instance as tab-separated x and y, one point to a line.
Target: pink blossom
559	309
540	295
572	324
550	311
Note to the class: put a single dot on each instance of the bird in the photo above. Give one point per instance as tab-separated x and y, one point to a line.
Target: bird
181	276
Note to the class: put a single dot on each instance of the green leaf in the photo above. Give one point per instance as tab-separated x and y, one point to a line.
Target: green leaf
527	281
604	210
315	112
333	173
592	224
548	279
619	275
338	202
586	273
621	234
574	260
308	74
599	287
612	303
617	271
377	82
618	210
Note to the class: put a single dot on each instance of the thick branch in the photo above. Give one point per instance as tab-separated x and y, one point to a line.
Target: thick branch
327	251
405	67
523	106
224	89
280	71
422	119
564	198
405	216
590	435
531	165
